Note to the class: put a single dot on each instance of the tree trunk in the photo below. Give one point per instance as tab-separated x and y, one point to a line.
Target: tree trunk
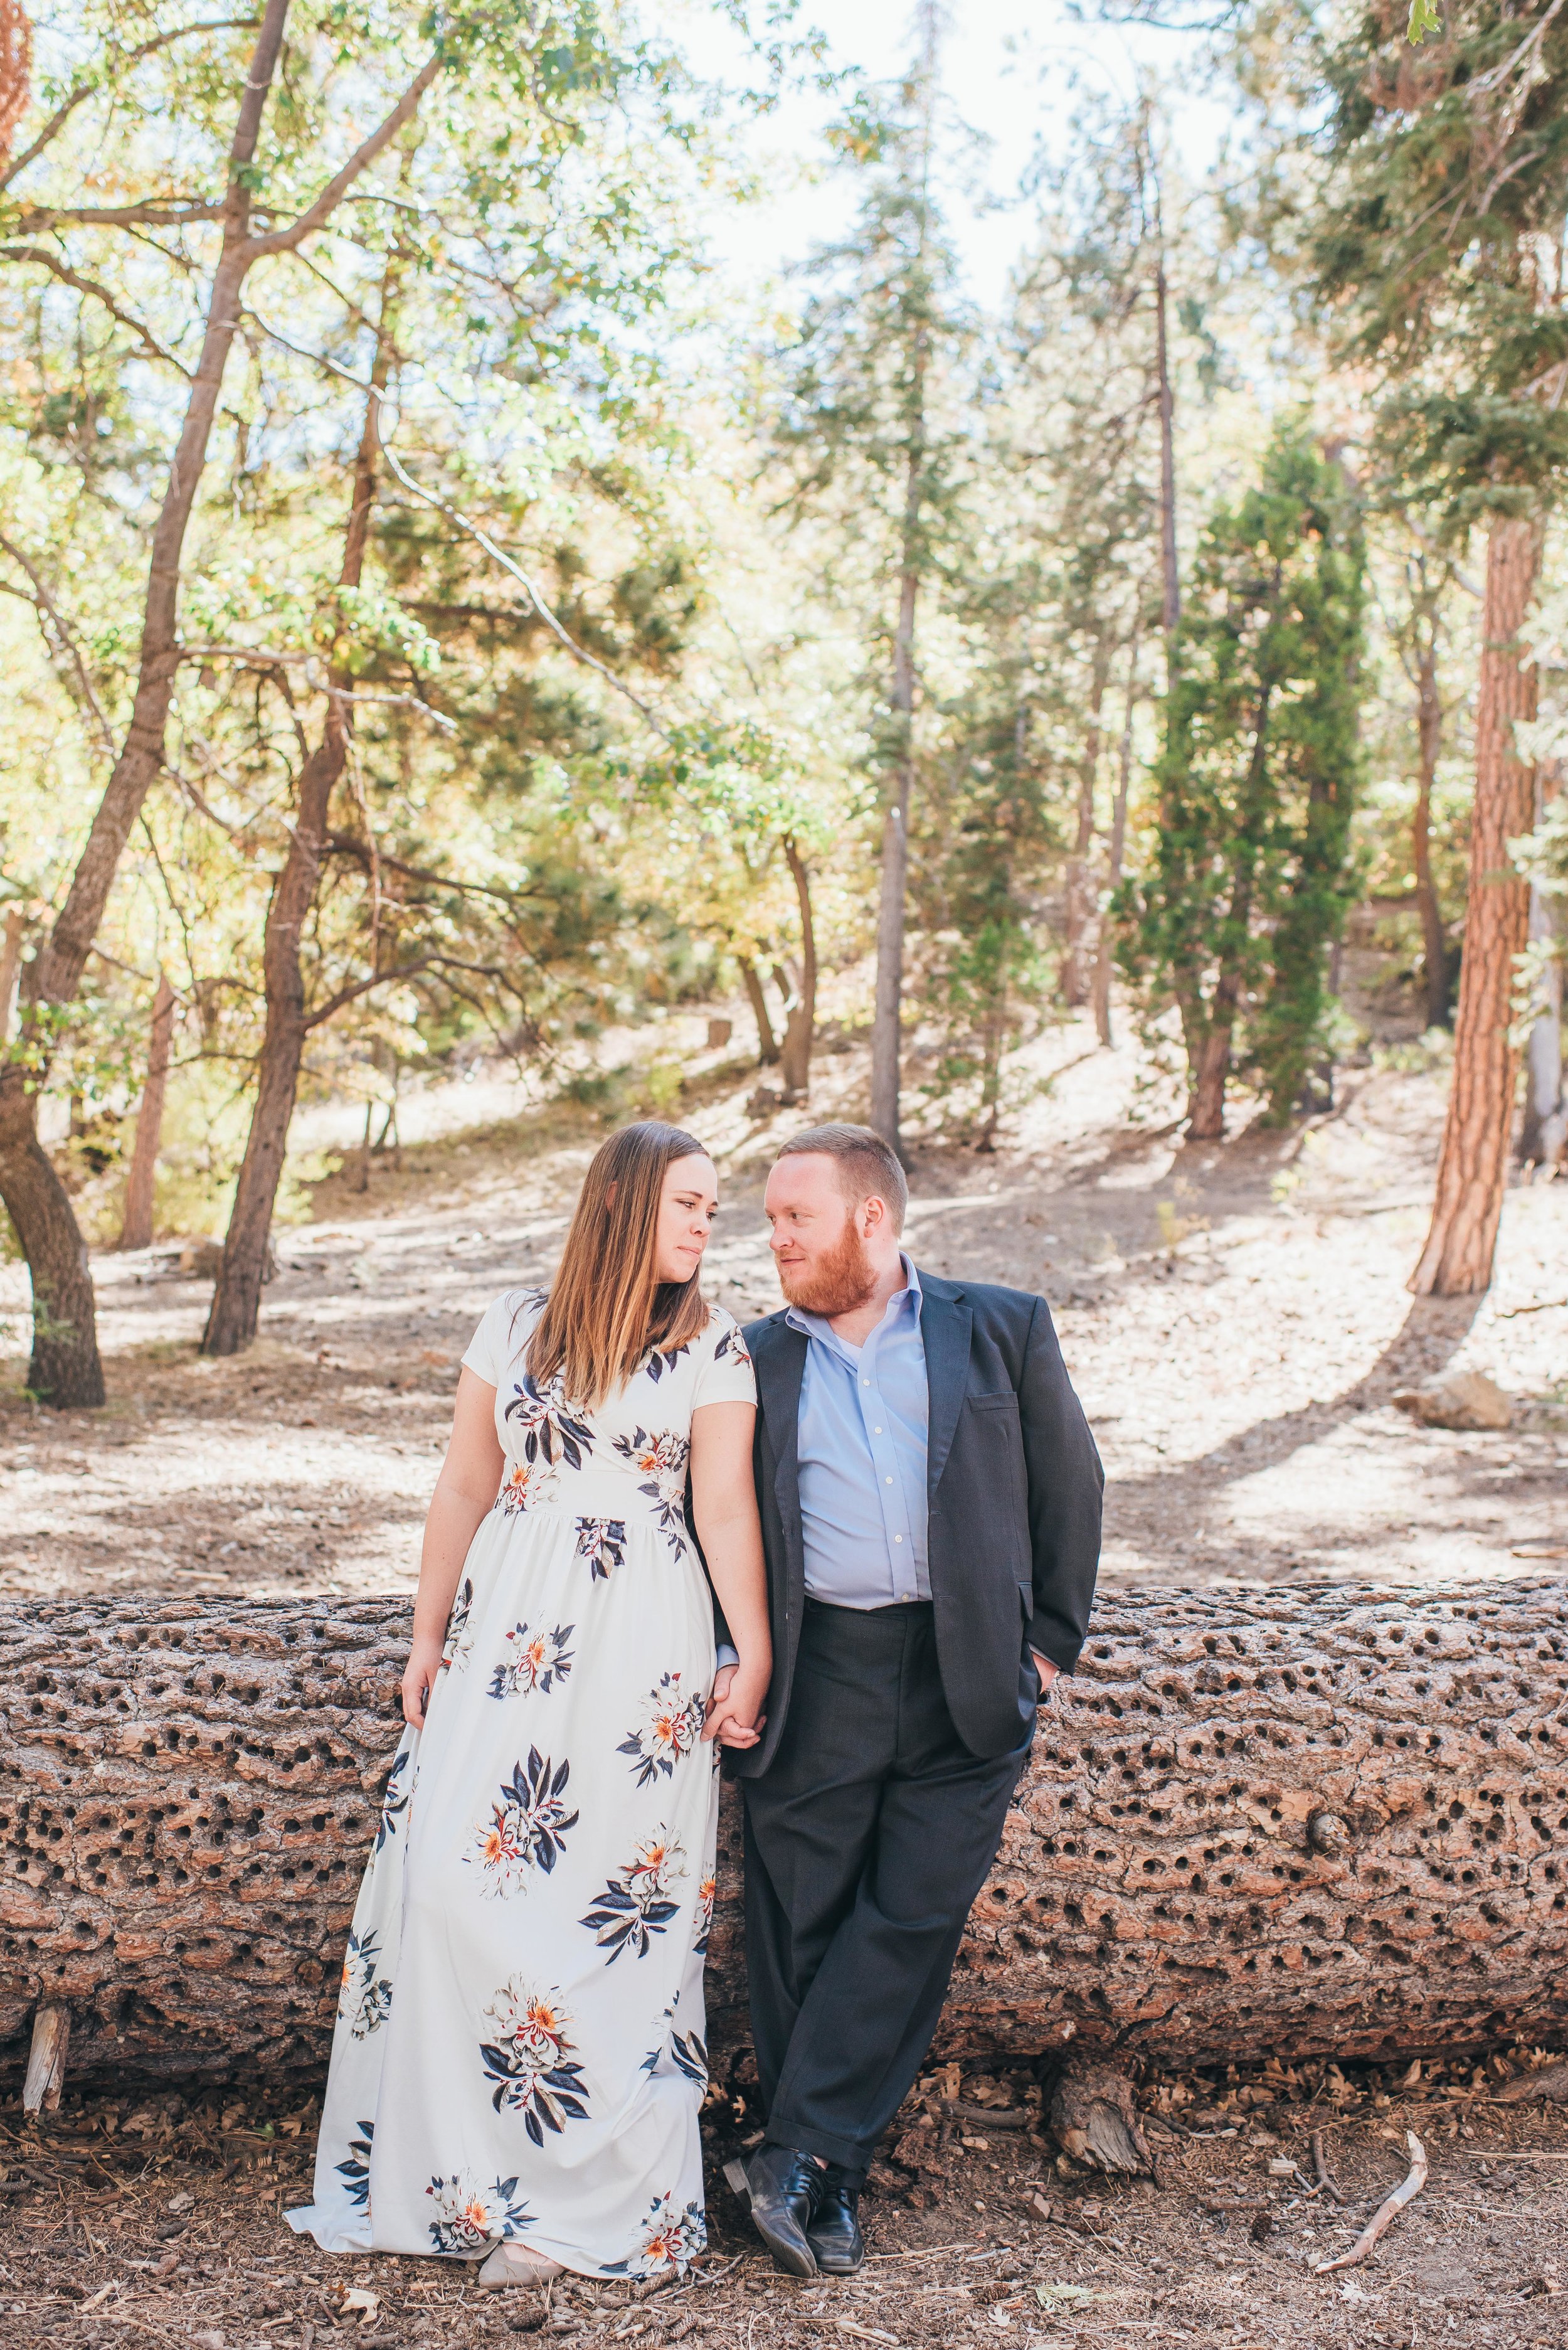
10	964
751	979
1428	736
1285	1822
1104	955
136	1230
71	1374
1169	570
1080	904
1472	1166
15	60
1544	1127
236	1296
801	1024
63	1372
886	1024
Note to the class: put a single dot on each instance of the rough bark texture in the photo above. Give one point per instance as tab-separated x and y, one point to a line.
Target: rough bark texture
1473	1167
1292	1822
136	1230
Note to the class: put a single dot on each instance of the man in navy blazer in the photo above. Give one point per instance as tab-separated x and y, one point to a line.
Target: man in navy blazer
931	1506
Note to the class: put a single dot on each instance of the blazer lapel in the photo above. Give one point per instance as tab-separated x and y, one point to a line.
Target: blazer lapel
779	1360
945	1323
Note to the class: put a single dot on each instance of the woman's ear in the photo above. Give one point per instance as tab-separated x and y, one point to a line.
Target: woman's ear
610	1190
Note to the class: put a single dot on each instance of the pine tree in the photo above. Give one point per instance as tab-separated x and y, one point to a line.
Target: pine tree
867	431
1247	878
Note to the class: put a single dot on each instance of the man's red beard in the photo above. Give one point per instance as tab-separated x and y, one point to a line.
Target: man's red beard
835	1283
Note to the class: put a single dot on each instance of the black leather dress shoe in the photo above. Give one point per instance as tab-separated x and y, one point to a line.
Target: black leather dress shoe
782	2187
834	2234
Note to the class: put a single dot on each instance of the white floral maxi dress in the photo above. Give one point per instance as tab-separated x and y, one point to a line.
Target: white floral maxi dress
519	2046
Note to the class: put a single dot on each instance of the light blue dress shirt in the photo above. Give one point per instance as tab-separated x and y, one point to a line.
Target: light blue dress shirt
861	1448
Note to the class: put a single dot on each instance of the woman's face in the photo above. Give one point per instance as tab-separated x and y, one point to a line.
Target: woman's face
687	1207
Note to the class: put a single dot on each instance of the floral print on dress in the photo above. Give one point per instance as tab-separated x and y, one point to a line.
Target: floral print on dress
534	1660
706	1892
672	2234
459	1639
732	1346
532	2062
395	1802
602	1542
547	1430
671	1726
356	2172
662	1461
526	1828
664	1358
635	1904
469	2215
366	2000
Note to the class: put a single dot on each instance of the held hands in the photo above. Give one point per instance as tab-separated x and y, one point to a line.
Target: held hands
418	1680
733	1716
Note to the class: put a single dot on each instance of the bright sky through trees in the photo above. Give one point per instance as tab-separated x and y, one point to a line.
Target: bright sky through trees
1009	69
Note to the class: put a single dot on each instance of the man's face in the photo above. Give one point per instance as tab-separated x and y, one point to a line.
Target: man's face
818	1247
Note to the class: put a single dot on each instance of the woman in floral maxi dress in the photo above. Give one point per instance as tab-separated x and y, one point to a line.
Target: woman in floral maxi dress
518	2061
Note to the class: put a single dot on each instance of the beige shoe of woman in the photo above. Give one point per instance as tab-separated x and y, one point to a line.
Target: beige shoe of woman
513	2264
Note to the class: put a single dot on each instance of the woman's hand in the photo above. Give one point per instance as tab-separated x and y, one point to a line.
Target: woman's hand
734	1717
420	1679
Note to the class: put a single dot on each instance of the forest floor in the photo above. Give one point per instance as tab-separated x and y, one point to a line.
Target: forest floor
1235	1317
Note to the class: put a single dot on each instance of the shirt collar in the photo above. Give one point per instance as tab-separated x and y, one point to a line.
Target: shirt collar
817	1325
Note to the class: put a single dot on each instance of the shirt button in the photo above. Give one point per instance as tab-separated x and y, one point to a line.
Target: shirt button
887	1480
897	1537
865	1383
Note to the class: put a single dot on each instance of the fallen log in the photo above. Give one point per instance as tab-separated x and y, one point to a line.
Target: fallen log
1296	1822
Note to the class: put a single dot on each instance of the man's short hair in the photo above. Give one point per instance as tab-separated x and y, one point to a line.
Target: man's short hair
867	1165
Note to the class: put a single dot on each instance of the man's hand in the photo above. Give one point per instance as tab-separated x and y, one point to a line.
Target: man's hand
1046	1670
732	1717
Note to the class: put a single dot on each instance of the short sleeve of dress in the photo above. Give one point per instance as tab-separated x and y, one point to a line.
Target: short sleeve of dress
497	1341
725	1373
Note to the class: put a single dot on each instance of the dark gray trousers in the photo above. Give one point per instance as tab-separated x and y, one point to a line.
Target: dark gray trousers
867	1839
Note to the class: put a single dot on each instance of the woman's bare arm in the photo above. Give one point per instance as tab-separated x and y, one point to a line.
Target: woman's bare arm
724	1507
468	1482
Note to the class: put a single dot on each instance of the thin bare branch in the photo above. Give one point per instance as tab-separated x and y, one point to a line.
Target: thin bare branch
284	240
68	641
119	66
57	269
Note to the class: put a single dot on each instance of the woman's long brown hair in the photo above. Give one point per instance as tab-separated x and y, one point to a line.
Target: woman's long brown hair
606	1307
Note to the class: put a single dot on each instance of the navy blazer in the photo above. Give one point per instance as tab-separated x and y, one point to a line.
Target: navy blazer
1014	1485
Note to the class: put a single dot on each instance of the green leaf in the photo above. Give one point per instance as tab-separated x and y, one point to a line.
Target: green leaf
1424	20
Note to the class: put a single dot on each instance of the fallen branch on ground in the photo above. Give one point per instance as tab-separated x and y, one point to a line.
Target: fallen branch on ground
1386	2213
